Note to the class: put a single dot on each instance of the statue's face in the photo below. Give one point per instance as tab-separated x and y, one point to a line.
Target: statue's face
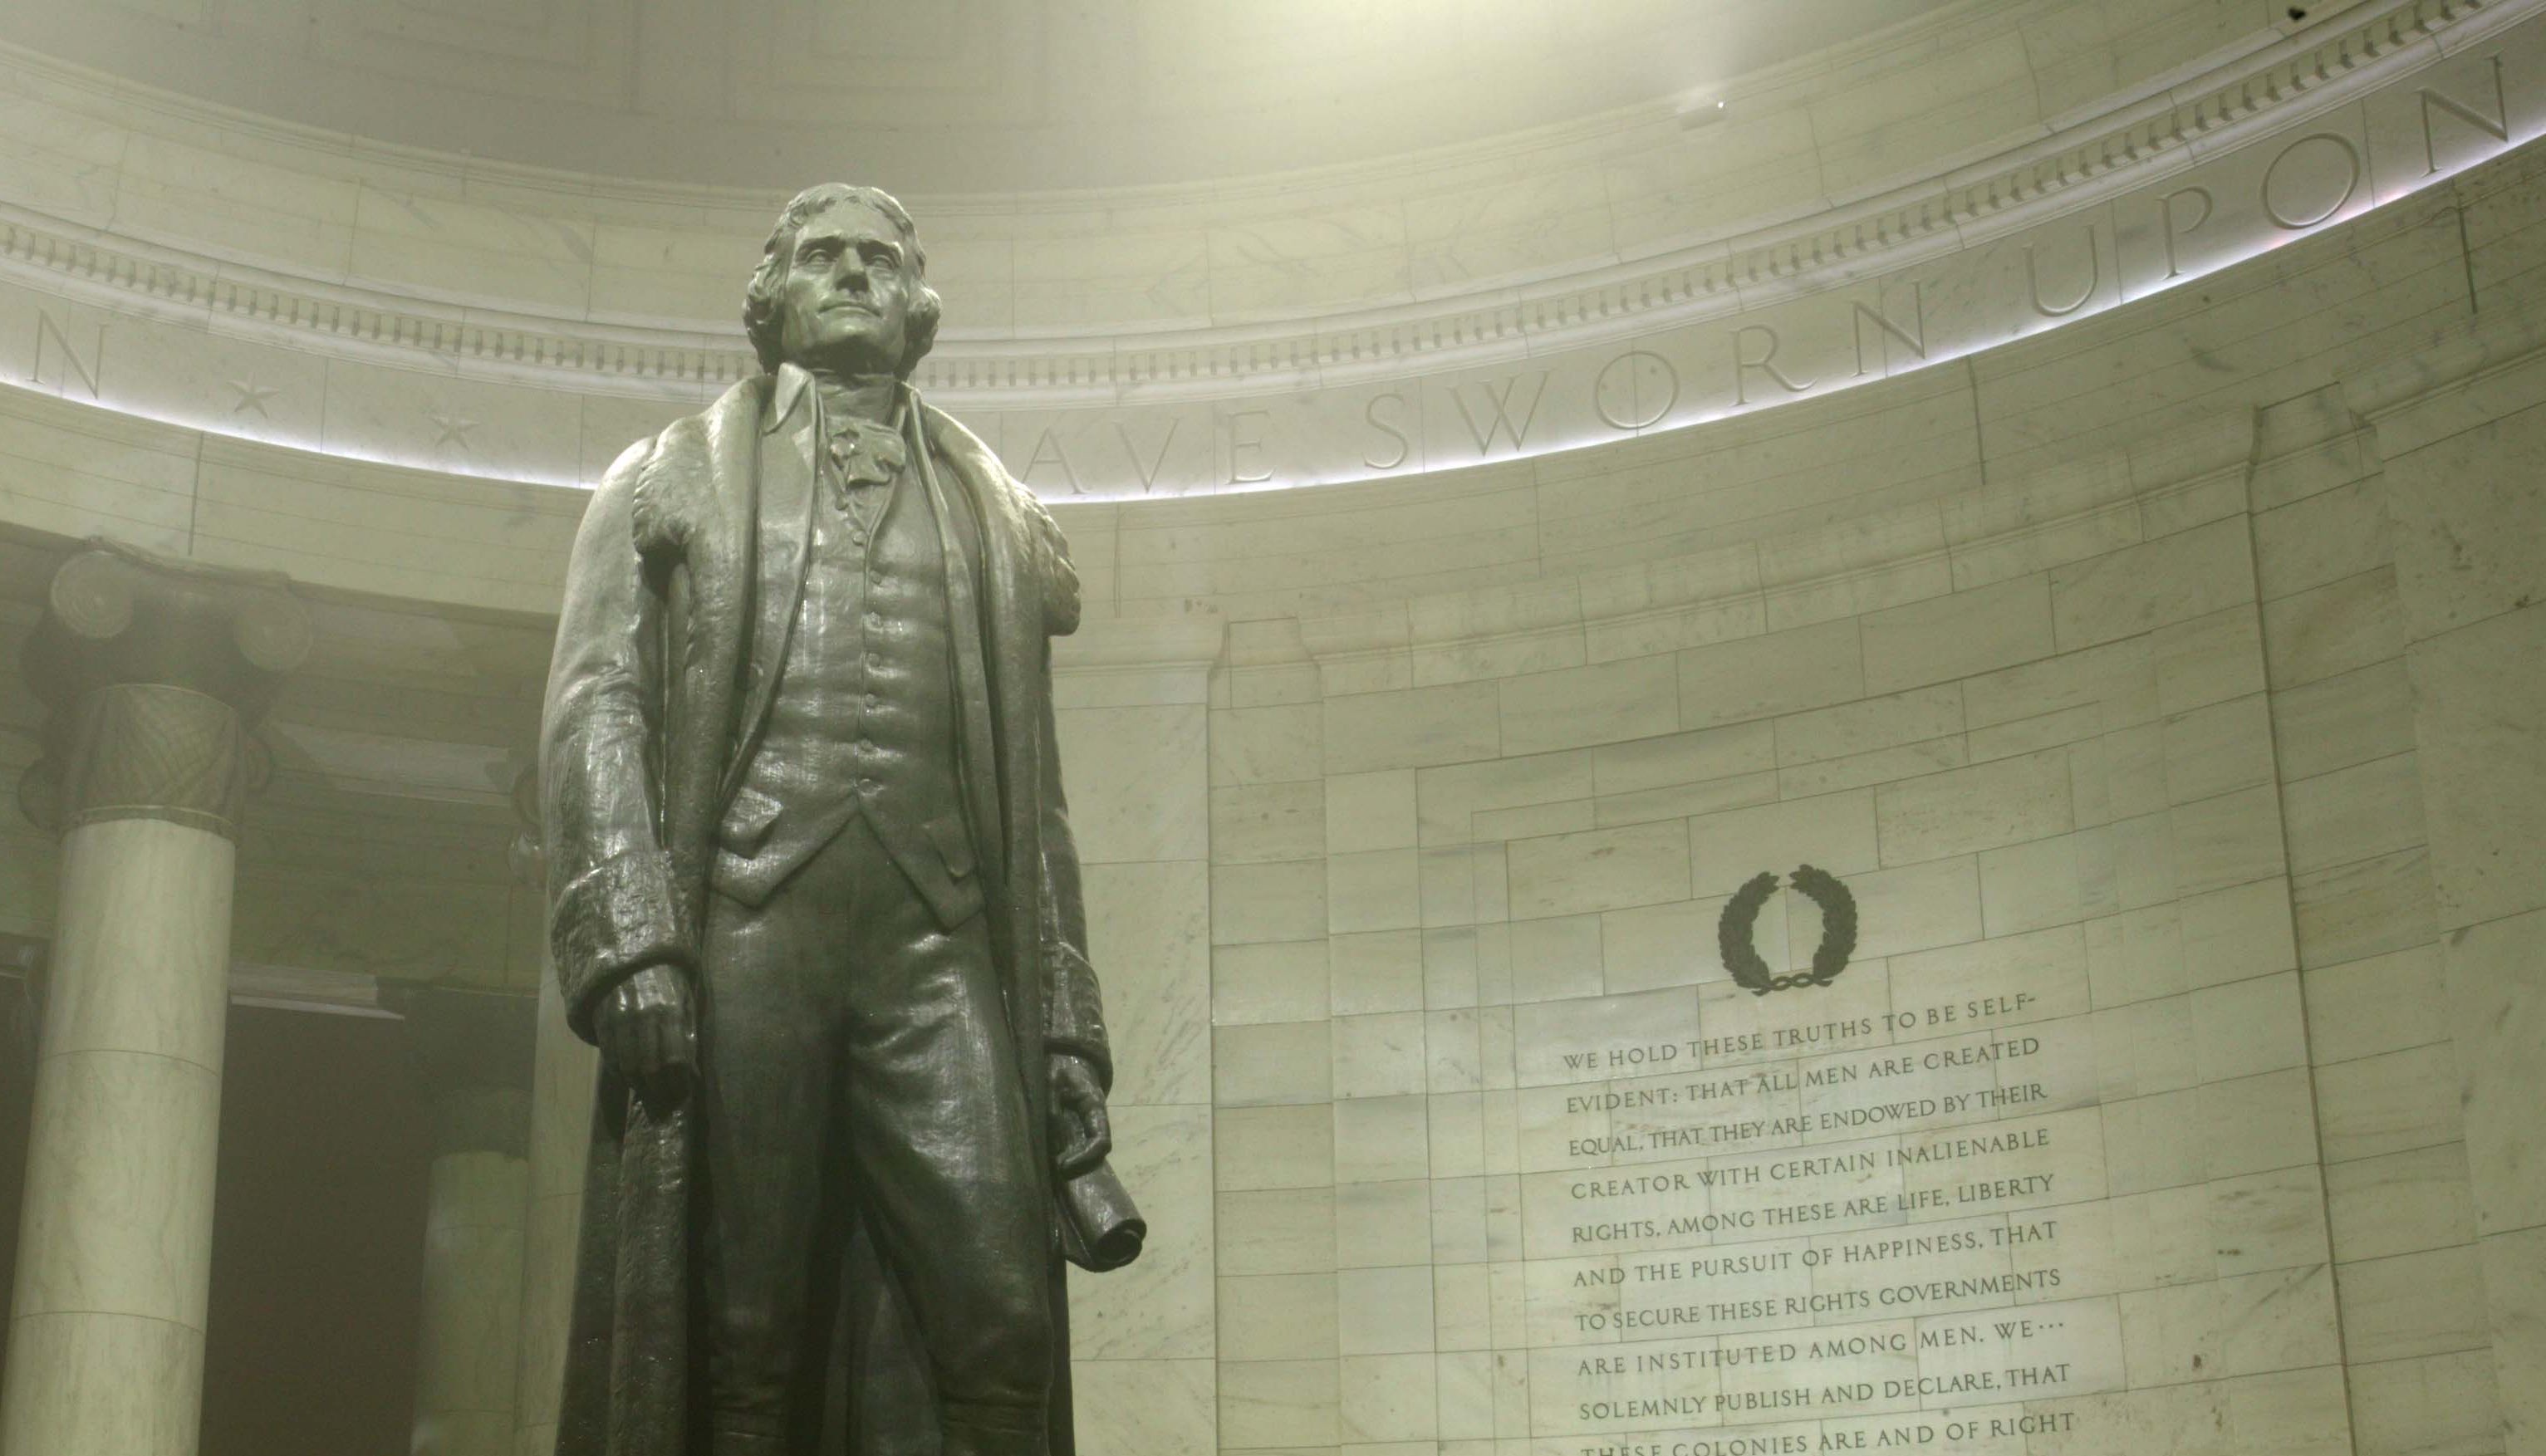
845	303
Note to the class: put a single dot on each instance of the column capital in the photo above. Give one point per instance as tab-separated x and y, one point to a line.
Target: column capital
156	669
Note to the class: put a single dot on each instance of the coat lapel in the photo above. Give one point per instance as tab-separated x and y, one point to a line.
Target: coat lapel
1008	609
784	521
705	530
1012	647
974	719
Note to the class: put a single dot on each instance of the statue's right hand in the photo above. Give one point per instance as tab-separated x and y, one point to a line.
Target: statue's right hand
648	1034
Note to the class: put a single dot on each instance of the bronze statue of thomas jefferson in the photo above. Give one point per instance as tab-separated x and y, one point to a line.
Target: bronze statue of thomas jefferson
813	895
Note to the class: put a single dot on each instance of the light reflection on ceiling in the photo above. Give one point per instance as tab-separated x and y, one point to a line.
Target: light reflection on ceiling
953	96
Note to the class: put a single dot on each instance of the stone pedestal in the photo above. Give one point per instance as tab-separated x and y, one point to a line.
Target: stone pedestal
154	672
475	1050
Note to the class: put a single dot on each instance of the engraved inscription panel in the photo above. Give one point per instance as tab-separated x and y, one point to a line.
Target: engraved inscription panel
1931	1225
1882	1033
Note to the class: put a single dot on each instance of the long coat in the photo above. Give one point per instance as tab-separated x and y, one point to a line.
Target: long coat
680	598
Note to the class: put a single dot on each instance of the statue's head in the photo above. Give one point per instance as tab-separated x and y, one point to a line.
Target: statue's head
842	284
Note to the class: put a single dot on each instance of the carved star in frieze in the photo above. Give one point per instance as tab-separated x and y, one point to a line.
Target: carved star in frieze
452	430
251	396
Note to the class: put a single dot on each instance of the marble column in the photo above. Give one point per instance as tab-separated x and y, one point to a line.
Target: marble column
563	1069
475	1052
154	672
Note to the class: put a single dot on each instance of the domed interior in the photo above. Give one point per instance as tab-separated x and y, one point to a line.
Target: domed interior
1797	726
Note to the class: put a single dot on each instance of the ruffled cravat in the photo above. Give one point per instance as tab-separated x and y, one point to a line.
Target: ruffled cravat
864	453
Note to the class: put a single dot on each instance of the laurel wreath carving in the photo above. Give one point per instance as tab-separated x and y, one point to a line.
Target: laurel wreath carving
1733	930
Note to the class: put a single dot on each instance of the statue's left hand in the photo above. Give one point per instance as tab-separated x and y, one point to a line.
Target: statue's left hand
1082	1135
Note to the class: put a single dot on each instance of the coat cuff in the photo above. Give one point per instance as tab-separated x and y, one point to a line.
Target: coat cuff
608	922
1076	1024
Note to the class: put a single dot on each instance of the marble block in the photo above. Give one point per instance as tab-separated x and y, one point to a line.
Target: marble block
125	1147
1162	1305
2478	707
1148	934
1144	1407
59	1407
1137	781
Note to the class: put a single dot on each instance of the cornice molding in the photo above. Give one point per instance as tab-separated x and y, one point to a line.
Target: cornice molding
2128	144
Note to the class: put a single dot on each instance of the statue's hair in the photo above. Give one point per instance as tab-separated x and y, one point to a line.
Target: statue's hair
760	318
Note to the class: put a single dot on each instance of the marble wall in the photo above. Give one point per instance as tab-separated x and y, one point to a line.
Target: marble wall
1136	742
2175	742
2453	506
2399	1197
1505	1155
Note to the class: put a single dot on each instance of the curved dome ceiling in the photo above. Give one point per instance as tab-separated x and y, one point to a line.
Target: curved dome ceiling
946	96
